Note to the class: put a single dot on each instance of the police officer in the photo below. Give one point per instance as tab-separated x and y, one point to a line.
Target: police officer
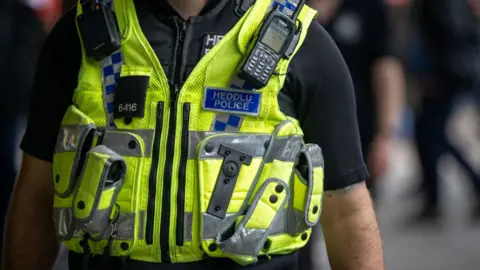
199	143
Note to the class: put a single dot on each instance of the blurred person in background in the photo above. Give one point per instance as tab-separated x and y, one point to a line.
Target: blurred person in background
21	36
450	36
361	29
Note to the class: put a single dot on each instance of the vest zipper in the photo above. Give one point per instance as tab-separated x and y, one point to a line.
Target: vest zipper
182	176
167	178
152	181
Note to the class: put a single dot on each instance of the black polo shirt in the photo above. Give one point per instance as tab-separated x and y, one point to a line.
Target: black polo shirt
318	92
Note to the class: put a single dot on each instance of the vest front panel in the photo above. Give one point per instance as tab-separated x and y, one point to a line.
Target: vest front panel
184	181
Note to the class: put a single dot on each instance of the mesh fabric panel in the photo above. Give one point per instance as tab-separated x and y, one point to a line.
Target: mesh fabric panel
88	99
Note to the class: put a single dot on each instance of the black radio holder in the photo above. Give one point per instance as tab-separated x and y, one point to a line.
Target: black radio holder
99	30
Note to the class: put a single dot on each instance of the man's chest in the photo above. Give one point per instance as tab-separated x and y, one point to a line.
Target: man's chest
179	45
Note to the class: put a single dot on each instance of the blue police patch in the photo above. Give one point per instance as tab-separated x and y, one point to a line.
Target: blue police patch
232	101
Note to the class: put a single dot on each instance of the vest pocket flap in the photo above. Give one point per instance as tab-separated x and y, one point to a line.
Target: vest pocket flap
134	143
99	186
312	158
131	91
74	140
252	230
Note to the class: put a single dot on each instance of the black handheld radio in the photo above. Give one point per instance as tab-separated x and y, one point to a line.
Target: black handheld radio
99	30
270	45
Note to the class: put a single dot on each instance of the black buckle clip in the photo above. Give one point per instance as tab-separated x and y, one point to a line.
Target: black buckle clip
293	44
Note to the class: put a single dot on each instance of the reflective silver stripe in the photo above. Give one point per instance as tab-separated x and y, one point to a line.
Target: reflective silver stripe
285	149
313	154
212	225
280	224
196	137
295	221
63	221
125	226
250	241
188	226
64	225
291	221
245	242
250	144
71	137
118	141
141	225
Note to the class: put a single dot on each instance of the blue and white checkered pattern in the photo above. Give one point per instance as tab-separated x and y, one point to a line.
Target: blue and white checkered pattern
288	7
227	122
111	68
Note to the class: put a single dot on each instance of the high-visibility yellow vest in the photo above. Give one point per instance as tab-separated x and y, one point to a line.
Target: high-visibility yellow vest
168	187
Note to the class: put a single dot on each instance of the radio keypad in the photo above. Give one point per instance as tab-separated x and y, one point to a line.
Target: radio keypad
261	63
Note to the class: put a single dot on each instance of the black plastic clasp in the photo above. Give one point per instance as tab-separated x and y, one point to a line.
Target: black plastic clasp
226	180
293	44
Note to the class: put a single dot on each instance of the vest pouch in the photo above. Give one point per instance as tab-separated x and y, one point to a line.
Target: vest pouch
111	191
74	140
272	157
252	229
307	188
99	185
227	168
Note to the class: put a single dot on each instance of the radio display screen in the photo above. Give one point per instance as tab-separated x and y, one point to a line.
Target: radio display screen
276	35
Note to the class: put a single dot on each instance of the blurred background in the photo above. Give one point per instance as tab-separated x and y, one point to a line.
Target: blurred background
425	182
